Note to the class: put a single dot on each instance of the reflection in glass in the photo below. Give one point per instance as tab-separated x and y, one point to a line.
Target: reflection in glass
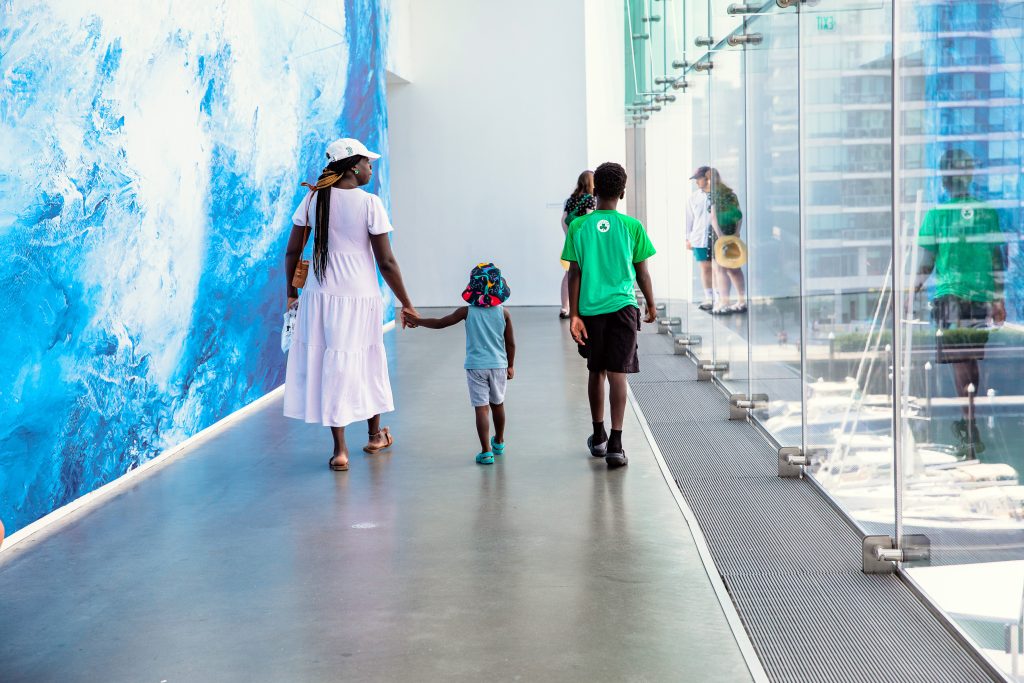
960	123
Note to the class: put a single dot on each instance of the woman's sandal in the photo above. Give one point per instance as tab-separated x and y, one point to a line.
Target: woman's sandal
388	442
337	467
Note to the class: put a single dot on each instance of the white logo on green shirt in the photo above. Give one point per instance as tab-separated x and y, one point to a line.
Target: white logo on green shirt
603	226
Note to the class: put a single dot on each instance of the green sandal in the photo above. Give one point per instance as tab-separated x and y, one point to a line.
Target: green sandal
497	448
485	458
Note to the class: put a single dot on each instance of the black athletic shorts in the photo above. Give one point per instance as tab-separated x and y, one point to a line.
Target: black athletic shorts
965	326
611	341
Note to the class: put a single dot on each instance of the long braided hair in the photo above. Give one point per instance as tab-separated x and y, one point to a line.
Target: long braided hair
331	174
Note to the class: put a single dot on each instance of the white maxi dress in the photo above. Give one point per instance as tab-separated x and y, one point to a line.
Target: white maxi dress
337	369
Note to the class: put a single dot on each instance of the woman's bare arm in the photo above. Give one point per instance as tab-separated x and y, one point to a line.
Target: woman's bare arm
392	274
292	253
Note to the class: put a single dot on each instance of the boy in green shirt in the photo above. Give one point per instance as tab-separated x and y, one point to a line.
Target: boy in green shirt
607	252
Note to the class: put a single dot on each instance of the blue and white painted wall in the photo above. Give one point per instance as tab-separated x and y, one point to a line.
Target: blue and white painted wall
151	160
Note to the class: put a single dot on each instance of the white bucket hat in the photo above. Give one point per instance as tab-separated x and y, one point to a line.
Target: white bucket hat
348	147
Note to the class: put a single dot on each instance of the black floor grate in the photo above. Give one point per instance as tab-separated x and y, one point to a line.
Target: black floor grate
790	562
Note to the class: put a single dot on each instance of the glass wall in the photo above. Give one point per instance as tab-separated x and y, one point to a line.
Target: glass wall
865	286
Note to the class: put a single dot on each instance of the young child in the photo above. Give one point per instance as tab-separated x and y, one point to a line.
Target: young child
490	352
608	253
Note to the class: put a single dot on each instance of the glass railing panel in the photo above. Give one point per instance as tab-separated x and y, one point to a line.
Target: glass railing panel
846	196
962	361
638	52
773	220
728	207
655	24
697	17
698	138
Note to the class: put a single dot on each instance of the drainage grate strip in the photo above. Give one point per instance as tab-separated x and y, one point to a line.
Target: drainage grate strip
790	562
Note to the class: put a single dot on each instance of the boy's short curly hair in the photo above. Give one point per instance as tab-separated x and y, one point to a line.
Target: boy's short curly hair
609	180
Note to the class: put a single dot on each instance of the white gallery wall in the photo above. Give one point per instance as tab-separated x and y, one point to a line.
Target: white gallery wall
501	112
604	27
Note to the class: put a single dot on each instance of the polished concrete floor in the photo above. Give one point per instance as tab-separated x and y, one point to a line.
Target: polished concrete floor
249	560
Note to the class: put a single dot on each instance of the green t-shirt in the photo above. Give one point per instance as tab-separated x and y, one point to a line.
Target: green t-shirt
606	244
965	237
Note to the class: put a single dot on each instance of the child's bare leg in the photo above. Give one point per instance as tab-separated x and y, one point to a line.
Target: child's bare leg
498	411
483	427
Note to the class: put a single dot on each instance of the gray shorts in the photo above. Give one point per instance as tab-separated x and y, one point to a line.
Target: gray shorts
487	386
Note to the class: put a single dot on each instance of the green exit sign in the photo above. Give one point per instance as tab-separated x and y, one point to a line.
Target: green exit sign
826	23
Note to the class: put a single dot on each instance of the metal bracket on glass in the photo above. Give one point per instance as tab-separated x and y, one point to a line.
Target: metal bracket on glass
792	461
663	325
682	343
664	80
675	325
680	84
641	36
793	3
706	369
874	555
743	8
739	404
703	41
879	554
745	39
652	19
680	64
704	66
664	98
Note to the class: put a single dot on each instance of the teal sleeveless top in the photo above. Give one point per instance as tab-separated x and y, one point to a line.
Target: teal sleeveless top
485	338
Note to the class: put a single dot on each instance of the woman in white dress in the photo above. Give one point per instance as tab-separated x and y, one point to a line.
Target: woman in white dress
337	368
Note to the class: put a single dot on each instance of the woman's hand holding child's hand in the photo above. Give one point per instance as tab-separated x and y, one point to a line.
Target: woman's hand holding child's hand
409	317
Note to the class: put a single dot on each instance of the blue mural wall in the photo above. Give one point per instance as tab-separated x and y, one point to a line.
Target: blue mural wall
151	162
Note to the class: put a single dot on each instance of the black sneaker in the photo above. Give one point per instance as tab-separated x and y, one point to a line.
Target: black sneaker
616	460
598	451
706	306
